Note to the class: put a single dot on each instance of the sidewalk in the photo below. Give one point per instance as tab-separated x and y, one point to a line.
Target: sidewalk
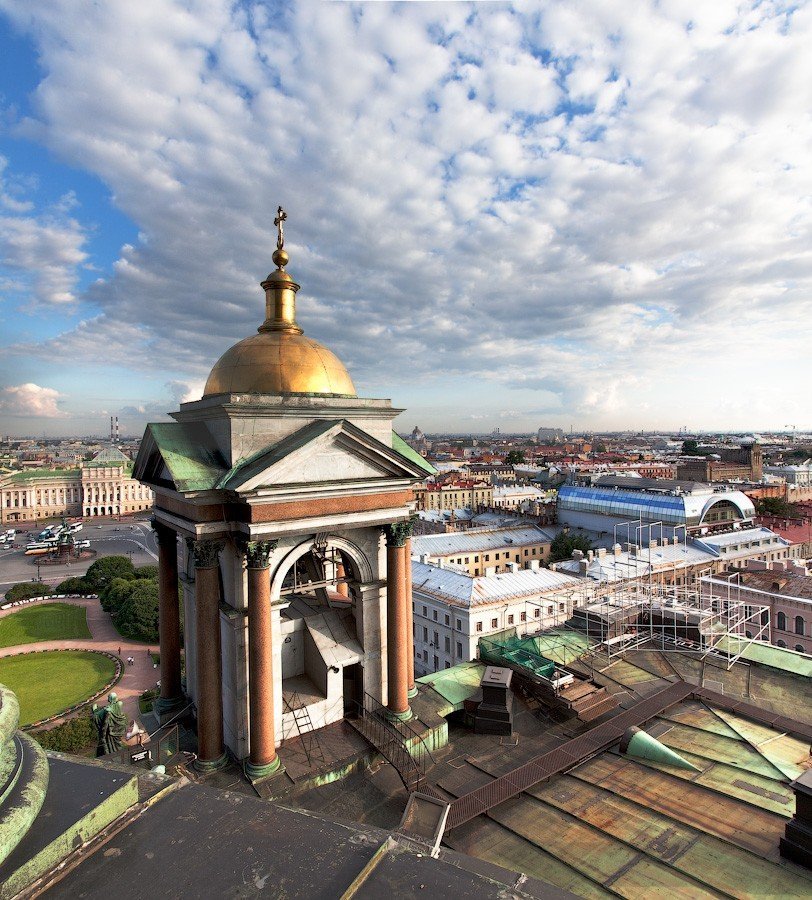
136	678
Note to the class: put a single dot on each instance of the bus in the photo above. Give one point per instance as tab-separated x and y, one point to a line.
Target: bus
75	526
39	547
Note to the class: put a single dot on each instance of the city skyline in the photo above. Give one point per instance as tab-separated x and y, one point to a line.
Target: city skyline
500	217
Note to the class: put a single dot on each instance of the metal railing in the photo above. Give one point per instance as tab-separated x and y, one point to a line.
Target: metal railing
398	742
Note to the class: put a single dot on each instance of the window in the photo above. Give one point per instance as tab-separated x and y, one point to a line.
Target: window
434	613
497	556
425	656
459	624
425	612
436	662
448	644
425	634
799	648
527	553
549	610
799	625
476	571
537	613
487	557
436	640
448	620
781	624
523	617
466	560
510	619
561	607
494	623
447	664
459	650
479	626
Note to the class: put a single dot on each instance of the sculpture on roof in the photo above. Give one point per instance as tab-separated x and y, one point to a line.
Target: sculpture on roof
111	725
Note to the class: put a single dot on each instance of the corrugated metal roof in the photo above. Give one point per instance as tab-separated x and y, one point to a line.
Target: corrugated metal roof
472	591
477	540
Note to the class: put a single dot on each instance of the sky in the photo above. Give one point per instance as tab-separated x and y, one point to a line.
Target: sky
501	215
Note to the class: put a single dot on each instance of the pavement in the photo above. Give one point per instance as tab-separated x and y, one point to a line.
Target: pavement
127	536
136	678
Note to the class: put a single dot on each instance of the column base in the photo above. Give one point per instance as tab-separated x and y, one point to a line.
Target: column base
399	716
412	692
165	707
204	766
256	773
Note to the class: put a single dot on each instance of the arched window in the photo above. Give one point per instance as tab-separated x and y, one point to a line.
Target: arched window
781	622
799	625
799	648
781	644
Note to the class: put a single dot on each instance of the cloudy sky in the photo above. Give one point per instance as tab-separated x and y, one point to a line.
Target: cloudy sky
501	215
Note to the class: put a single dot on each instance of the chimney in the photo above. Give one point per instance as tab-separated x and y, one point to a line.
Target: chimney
601	552
617	549
112	433
653	544
590	555
534	565
577	554
583	565
797	841
117	432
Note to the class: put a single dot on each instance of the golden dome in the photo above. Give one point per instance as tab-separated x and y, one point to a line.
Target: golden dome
278	362
279	359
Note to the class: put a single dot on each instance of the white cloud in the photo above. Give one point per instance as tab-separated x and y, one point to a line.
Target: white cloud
42	252
30	401
566	198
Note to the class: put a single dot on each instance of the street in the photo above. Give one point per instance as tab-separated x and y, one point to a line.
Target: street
131	537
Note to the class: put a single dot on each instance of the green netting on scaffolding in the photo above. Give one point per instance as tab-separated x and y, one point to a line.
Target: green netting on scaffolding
511	650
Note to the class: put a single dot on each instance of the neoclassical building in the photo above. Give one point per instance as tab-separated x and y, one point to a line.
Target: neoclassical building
102	487
283	502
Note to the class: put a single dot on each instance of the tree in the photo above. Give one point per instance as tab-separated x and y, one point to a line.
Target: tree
137	617
146	572
26	590
114	594
775	506
514	457
600	448
690	447
78	585
104	570
565	542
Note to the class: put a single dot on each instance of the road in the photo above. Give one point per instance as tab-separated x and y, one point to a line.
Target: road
129	537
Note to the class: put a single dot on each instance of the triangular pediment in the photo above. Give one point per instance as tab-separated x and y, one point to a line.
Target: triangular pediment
180	456
322	453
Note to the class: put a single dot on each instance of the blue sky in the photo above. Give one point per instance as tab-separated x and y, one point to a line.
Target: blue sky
500	215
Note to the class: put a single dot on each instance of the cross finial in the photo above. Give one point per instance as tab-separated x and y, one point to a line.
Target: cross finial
281	215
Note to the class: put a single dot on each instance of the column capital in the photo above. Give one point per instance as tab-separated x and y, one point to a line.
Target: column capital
257	553
399	532
160	528
206	552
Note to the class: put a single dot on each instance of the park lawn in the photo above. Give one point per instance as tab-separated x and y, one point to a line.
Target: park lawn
45	622
46	683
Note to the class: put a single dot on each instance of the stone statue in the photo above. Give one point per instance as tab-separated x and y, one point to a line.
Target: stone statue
111	724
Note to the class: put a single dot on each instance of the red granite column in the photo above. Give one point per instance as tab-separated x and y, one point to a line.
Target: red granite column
412	689
263	760
168	620
210	748
397	619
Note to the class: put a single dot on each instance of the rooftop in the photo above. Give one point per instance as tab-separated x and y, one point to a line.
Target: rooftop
464	590
476	540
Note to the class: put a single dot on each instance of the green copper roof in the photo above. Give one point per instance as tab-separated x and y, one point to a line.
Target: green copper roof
770	655
194	463
455	685
404	449
642	745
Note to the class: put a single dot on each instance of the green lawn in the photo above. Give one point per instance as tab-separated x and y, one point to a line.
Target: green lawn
44	622
46	683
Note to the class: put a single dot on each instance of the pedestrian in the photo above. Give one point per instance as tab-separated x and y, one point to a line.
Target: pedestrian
119	651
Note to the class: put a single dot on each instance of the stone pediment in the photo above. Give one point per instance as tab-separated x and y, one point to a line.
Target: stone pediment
322	453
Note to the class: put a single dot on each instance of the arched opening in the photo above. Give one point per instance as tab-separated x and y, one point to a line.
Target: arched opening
781	622
800	625
317	586
800	648
782	644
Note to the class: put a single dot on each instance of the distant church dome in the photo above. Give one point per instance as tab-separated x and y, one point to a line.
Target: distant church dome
279	359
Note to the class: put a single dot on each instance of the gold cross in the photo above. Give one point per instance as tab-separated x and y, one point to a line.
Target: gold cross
281	215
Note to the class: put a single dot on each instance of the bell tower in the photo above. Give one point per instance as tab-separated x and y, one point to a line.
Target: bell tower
283	505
